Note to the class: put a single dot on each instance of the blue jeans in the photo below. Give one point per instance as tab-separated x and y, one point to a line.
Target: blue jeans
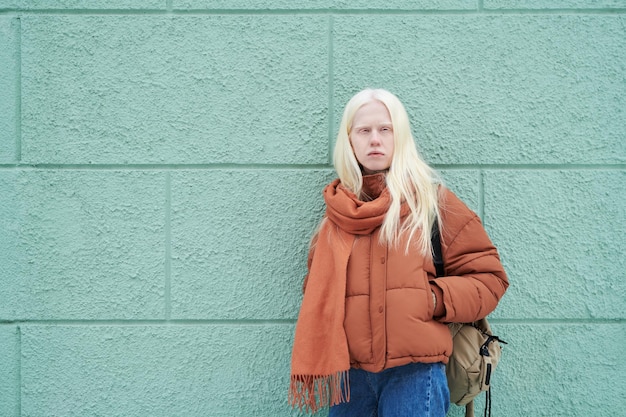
413	390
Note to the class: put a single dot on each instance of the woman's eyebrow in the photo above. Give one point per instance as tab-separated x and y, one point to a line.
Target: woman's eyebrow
372	124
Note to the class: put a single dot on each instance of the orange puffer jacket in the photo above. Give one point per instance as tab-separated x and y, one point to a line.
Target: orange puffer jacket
390	315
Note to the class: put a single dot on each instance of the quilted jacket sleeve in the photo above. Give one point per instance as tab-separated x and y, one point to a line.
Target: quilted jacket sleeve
474	278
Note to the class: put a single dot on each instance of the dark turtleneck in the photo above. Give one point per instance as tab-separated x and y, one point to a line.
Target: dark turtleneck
373	186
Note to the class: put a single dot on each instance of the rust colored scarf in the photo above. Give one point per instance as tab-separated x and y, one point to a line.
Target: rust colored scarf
320	359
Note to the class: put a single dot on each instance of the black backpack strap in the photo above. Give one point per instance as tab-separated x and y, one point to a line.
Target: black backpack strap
435	240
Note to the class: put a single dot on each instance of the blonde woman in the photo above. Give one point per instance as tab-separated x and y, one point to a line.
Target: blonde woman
371	337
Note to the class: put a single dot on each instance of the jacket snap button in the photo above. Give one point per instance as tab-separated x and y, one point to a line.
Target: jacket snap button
380	309
382	260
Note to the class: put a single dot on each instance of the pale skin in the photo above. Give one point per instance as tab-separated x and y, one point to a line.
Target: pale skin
371	137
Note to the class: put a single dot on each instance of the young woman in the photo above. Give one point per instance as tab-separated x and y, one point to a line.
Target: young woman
371	337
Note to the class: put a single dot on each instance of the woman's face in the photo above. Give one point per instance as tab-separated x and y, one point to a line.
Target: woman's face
371	137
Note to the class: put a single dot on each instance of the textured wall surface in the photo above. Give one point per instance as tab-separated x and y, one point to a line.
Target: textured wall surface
161	167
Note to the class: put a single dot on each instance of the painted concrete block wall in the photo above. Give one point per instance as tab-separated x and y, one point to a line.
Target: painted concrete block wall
161	167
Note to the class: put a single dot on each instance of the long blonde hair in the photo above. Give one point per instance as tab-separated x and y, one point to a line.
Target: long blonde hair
409	179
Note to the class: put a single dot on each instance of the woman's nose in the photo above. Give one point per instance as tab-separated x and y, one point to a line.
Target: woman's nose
375	138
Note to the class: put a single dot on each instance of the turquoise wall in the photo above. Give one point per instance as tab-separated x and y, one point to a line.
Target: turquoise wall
161	164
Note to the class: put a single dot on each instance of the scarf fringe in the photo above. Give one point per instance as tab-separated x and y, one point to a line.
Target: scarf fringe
312	392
